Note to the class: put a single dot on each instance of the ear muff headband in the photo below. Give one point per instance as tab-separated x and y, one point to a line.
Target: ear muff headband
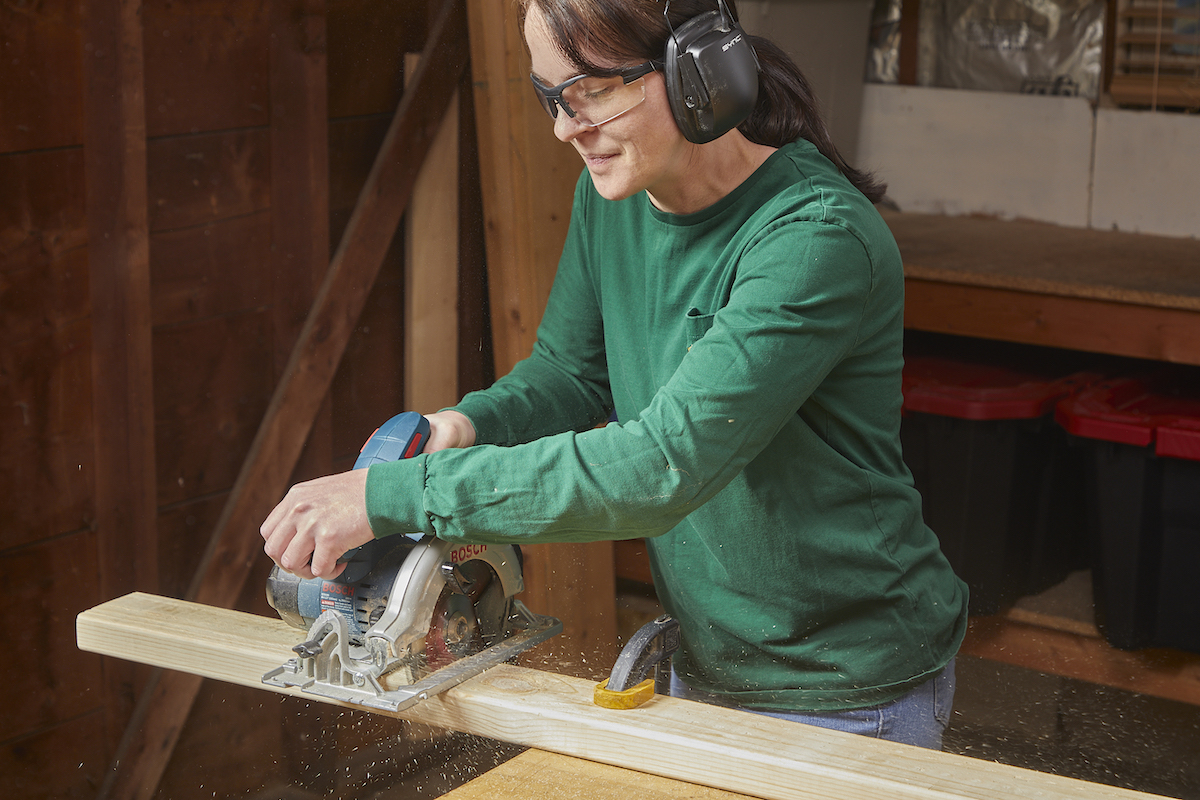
711	74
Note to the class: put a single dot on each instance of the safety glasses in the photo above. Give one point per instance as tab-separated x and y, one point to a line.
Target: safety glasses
593	100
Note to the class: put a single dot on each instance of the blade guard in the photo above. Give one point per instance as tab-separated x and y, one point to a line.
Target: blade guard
419	583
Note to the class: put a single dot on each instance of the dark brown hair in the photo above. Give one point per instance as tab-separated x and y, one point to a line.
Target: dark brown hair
628	31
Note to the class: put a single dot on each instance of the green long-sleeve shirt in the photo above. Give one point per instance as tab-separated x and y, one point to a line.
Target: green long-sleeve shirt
752	353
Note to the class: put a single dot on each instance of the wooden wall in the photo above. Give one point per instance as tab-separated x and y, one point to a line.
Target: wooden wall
209	277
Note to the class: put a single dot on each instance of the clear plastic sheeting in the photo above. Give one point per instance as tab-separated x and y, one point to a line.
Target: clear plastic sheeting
1029	46
883	51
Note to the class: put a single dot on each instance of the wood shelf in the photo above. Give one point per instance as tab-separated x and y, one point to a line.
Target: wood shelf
1124	294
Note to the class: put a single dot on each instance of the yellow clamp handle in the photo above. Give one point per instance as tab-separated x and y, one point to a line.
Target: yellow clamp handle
630	698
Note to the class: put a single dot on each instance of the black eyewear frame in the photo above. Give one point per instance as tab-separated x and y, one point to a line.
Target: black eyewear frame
551	96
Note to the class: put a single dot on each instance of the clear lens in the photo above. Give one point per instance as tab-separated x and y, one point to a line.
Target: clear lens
596	101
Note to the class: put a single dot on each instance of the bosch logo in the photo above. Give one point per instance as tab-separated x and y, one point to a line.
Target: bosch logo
460	554
725	47
328	587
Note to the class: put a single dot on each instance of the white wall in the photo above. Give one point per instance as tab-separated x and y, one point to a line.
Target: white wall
1053	159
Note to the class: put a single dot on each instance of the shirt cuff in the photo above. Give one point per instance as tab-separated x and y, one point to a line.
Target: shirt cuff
394	498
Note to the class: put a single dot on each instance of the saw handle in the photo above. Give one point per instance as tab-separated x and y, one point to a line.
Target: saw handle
627	685
402	436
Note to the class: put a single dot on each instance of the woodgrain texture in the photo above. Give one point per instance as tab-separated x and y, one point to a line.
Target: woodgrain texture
537	775
677	739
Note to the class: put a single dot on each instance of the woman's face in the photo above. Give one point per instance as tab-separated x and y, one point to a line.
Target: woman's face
640	150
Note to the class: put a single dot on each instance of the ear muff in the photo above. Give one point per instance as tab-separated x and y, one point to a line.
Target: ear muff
711	74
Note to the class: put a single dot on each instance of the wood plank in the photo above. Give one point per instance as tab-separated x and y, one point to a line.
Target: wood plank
47	461
299	193
119	280
527	178
234	547
41	76
1097	326
197	179
37	765
1033	642
538	775
677	739
367	41
207	66
299	258
211	269
58	579
213	387
431	272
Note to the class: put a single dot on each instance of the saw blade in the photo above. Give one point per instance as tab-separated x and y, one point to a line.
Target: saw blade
471	614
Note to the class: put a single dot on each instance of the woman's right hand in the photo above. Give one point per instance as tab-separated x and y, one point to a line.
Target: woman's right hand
449	429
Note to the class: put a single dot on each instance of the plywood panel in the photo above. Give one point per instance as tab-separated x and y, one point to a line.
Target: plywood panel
213	383
206	65
41	77
198	179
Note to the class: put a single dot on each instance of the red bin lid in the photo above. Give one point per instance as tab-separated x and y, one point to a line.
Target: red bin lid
1161	408
979	390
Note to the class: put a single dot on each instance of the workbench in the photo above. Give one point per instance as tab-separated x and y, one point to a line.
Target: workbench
1122	294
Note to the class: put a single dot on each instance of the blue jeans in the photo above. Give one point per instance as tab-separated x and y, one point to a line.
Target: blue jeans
919	717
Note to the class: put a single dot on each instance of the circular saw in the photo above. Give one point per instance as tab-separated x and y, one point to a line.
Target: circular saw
409	616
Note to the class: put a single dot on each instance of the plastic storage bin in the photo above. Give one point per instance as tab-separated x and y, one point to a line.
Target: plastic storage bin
1000	484
1143	434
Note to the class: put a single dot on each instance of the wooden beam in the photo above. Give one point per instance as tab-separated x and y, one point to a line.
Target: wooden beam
431	272
299	191
235	545
528	180
299	259
678	739
119	281
537	775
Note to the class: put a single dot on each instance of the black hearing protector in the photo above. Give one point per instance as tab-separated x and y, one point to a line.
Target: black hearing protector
711	73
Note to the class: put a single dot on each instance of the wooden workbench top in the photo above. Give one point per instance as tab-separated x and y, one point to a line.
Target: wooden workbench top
1155	271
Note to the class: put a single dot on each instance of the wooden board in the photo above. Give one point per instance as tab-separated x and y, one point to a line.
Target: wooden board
677	739
538	775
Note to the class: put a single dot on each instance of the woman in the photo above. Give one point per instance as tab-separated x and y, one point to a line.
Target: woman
735	298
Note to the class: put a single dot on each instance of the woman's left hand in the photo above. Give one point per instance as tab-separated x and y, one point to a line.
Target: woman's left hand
316	522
